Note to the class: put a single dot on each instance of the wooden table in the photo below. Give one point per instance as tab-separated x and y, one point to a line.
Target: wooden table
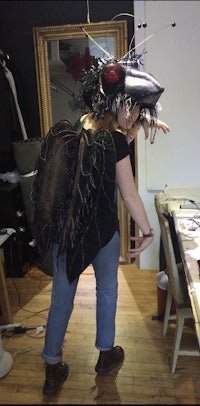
4	298
188	232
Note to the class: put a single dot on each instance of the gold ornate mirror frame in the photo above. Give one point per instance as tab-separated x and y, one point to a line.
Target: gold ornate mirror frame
43	37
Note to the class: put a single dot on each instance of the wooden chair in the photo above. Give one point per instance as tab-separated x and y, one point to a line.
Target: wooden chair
177	289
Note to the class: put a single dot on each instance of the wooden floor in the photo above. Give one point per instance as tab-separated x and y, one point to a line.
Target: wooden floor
143	379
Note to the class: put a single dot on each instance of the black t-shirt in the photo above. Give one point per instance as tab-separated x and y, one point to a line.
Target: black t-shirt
104	215
121	145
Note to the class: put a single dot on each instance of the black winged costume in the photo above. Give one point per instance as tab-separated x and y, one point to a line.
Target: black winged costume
74	193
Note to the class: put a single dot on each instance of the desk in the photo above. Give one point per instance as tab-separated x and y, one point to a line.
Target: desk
176	197
4	299
188	233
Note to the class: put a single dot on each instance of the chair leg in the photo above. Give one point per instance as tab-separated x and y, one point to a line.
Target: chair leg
167	309
177	338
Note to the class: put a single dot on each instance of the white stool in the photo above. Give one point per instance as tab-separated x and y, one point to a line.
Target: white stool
6	361
4	299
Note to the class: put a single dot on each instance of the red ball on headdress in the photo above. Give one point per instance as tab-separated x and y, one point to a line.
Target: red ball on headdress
113	75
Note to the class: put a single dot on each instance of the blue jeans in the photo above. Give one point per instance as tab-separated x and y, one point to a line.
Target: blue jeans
105	266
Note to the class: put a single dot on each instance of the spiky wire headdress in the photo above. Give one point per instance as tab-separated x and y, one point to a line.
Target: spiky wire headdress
117	83
120	82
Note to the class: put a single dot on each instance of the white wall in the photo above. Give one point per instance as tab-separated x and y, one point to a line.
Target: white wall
173	58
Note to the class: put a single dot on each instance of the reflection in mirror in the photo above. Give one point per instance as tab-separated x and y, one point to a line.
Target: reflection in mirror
61	52
67	61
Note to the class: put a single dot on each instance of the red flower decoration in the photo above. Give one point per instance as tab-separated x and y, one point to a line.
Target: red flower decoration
79	64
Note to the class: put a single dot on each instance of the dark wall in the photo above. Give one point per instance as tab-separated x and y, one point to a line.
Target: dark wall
17	19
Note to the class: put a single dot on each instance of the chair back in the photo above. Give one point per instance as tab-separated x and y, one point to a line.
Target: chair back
174	271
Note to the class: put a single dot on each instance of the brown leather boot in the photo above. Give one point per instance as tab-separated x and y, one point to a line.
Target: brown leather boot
109	360
55	376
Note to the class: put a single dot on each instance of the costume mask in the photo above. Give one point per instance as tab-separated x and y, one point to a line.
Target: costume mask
118	83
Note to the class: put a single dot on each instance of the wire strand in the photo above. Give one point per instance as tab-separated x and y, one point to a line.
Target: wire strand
99	46
127	15
88	12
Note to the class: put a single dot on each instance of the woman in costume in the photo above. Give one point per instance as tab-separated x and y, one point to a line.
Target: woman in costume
75	207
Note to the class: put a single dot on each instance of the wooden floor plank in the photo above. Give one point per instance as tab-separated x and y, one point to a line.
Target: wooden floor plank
144	378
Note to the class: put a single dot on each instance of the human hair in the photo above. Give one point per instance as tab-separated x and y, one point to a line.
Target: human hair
108	122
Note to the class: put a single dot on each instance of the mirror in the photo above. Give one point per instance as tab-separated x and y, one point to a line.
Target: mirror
60	54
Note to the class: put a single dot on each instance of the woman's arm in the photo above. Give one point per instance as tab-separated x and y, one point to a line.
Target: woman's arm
134	204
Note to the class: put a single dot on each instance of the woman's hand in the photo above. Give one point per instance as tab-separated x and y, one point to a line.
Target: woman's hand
142	243
161	125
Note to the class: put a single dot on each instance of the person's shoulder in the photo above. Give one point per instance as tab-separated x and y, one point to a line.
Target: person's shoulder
119	136
121	145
